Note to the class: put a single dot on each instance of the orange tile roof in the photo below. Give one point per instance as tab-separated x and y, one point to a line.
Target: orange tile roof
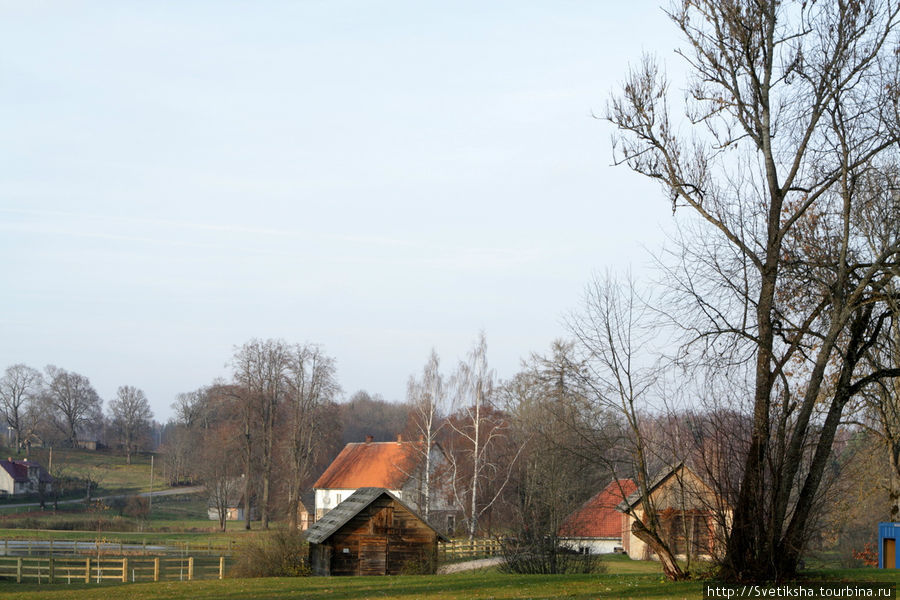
371	464
598	517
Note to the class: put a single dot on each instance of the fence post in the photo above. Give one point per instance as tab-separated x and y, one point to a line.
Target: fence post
5	547
52	570
190	568
29	547
87	569
124	569
221	567
156	569
51	547
19	570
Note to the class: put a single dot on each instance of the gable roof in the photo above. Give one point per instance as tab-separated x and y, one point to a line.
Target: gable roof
662	476
598	517
342	513
18	470
371	464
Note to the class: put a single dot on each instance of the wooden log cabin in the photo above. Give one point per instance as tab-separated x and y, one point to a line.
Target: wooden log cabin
372	533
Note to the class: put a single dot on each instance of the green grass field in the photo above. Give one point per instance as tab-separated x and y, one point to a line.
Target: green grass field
478	585
109	468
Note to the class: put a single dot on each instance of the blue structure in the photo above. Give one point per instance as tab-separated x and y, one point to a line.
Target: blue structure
888	535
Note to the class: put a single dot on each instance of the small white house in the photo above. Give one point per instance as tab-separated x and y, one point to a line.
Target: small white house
19	477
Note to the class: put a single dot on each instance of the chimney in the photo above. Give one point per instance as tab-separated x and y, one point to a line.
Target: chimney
399	438
369	439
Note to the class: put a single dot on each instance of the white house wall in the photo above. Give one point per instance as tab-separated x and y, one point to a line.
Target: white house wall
591	545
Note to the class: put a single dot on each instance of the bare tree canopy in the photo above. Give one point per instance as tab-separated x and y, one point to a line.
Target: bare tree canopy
73	402
130	415
20	388
785	160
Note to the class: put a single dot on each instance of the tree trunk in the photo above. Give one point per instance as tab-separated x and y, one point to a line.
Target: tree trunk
895	482
670	566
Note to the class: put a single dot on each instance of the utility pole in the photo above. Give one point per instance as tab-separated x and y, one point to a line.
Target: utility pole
150	497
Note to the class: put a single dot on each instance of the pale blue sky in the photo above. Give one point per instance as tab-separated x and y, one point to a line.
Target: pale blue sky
377	177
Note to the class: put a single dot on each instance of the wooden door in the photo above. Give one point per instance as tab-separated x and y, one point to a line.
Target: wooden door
890	553
373	556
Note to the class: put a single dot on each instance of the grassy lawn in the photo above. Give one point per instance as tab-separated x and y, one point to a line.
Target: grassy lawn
178	519
447	587
464	585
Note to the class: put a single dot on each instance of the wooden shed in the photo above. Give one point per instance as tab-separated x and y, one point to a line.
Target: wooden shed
372	533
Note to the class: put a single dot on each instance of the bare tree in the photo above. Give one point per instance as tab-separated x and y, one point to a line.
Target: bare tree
218	470
312	387
615	334
478	428
130	415
20	388
427	396
261	368
74	402
790	104
882	398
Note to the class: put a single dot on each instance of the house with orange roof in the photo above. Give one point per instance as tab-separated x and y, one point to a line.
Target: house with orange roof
396	466
597	526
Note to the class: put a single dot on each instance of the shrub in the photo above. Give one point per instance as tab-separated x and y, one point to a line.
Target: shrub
545	556
137	507
280	553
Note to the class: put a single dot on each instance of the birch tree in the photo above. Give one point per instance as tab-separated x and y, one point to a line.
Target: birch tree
478	428
427	397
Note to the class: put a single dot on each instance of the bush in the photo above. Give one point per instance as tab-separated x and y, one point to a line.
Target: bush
280	553
137	507
423	565
545	556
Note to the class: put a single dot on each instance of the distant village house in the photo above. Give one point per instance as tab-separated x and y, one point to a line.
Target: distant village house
18	477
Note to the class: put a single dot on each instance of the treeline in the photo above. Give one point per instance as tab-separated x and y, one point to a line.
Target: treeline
62	408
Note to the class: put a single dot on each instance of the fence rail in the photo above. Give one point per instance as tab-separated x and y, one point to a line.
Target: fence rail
460	549
76	547
121	569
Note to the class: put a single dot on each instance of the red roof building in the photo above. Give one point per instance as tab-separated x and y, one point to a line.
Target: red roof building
597	526
395	466
371	464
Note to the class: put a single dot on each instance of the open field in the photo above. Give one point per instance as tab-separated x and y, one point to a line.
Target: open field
106	467
490	584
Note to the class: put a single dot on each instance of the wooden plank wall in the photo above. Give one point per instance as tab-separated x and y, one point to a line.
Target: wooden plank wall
383	539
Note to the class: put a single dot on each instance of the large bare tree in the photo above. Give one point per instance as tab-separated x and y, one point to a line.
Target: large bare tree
130	415
20	388
261	369
312	388
789	106
73	402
